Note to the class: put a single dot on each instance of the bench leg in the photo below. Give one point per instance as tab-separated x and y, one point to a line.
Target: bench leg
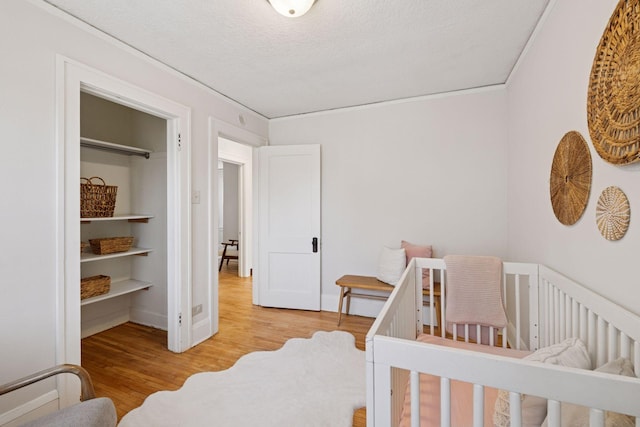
348	301
224	252
340	304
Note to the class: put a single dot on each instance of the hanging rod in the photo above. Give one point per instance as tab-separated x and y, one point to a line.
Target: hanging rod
116	148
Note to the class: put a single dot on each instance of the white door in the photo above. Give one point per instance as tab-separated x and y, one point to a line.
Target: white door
288	267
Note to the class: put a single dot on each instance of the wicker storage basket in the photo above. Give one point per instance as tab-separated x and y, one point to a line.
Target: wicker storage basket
110	245
83	246
94	286
97	200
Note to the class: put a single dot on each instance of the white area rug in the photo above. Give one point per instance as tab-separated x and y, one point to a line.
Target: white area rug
308	382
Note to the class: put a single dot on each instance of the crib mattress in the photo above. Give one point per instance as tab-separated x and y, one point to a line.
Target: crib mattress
461	392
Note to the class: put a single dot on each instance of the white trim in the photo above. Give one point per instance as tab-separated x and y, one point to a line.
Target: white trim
71	78
462	92
212	231
147	318
234	133
219	128
23	410
201	331
103	323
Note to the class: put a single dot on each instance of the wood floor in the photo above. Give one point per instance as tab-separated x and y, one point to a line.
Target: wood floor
129	362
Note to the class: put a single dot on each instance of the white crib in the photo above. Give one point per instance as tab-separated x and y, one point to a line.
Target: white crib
543	308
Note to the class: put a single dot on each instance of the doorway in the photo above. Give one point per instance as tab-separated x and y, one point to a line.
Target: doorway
235	186
229	216
73	80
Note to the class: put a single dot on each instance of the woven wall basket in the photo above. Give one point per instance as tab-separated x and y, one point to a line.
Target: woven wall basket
570	178
613	100
613	213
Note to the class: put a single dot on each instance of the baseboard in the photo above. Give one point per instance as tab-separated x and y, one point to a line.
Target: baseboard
147	318
363	307
102	323
359	306
30	410
200	331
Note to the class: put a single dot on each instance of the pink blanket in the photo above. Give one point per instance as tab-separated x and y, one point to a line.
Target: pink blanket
461	392
473	292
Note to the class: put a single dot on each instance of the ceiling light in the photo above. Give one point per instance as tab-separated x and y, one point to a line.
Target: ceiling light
292	8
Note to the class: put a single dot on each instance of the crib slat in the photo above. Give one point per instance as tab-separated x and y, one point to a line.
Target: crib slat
432	316
478	405
443	304
517	312
553	413
556	315
612	343
504	337
591	342
515	409
625	346
415	398
445	402
479	334
492	331
549	314
466	332
602	342
575	318
596	418
636	358
583	324
562	327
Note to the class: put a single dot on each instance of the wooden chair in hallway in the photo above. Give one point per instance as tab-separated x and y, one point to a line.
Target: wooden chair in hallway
228	254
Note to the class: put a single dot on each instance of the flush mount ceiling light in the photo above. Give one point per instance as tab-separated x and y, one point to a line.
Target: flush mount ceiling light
292	8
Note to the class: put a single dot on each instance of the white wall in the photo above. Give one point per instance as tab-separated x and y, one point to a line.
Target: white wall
31	34
430	171
230	203
548	97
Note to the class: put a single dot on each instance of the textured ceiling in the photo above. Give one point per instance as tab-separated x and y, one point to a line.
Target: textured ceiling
342	53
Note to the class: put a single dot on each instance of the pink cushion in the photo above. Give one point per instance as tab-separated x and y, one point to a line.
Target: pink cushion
418	251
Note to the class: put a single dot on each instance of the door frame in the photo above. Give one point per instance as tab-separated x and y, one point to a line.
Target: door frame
219	128
228	154
72	78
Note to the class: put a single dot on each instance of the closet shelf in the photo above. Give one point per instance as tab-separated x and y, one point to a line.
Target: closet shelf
126	217
116	148
118	288
88	257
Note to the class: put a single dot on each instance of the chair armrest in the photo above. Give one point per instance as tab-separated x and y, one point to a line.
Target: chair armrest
86	386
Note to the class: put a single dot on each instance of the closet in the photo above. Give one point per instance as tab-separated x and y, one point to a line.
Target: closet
125	148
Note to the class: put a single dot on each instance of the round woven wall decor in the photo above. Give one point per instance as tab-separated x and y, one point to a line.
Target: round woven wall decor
613	99
613	213
570	178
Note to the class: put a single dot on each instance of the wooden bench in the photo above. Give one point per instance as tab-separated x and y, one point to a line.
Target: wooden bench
350	282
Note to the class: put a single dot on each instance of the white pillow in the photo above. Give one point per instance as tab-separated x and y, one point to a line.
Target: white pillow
391	265
571	352
575	415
